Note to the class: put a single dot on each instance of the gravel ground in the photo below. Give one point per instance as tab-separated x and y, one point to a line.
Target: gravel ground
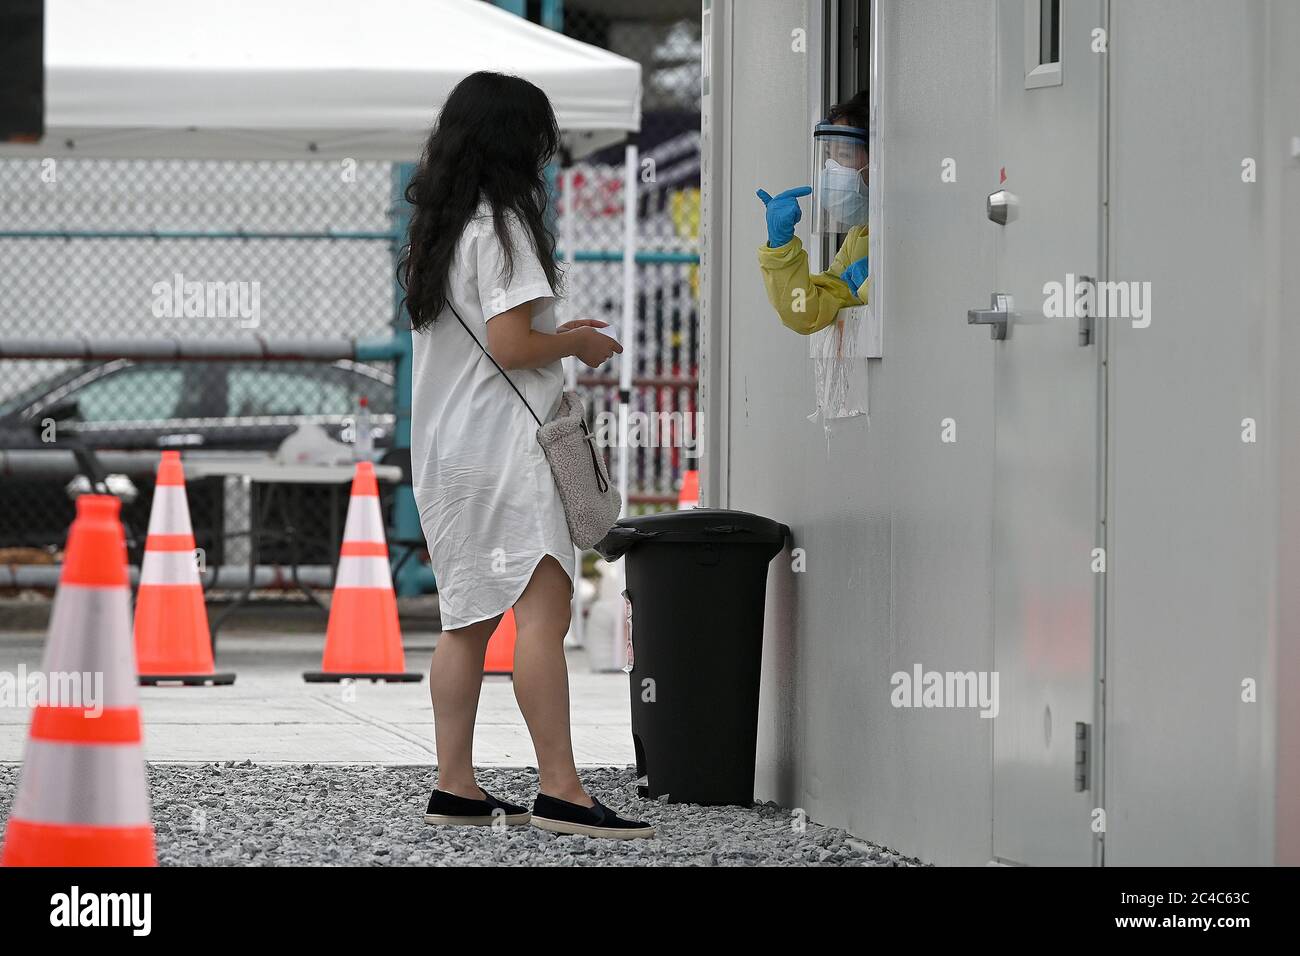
314	814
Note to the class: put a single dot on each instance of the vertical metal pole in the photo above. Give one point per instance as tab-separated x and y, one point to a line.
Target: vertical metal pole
627	363
569	241
552	12
553	15
406	517
715	254
553	19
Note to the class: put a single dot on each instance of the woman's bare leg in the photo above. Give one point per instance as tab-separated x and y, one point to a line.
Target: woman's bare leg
455	679
542	679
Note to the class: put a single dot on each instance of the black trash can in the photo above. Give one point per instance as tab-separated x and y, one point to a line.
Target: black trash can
696	585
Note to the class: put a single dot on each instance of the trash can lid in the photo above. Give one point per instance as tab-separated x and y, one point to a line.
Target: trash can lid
693	526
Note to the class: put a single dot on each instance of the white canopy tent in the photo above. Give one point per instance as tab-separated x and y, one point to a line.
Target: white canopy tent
314	79
275	79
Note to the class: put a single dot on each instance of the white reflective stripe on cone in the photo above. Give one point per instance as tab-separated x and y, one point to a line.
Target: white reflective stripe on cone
170	514
169	567
358	572
90	634
364	523
55	784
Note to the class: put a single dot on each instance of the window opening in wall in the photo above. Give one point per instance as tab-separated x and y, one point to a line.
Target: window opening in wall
1042	43
1049	33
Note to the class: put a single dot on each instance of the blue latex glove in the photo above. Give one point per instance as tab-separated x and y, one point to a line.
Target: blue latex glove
854	274
782	213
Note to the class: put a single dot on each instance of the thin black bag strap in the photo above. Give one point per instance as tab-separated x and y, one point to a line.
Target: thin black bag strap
494	362
601	483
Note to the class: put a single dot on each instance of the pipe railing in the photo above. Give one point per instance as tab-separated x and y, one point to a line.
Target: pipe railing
255	349
642	257
250	348
266	577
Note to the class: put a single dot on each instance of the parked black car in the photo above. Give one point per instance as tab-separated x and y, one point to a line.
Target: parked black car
200	406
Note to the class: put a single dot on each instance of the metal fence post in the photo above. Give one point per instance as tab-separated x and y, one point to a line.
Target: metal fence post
553	15
406	517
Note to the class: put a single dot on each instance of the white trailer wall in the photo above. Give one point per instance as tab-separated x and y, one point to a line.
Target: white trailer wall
894	523
1199	601
1281	204
898	527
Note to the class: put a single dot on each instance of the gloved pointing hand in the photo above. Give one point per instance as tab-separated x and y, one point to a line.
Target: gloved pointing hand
854	274
782	213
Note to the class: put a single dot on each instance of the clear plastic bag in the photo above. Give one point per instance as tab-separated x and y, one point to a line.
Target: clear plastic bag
840	367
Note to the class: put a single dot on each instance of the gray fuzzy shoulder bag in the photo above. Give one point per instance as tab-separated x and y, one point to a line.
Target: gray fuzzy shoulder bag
591	503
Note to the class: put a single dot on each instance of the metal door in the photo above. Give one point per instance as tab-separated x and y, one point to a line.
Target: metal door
1046	207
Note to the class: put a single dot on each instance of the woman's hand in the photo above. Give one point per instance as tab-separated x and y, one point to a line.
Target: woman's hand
594	348
582	324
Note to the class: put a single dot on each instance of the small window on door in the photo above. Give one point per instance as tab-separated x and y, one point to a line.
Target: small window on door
1042	43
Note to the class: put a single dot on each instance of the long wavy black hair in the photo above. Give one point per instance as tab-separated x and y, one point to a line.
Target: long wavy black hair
492	141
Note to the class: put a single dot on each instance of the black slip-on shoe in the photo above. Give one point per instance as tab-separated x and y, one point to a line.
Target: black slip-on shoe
448	810
560	816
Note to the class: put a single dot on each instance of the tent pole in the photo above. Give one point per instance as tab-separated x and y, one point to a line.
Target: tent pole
627	364
569	240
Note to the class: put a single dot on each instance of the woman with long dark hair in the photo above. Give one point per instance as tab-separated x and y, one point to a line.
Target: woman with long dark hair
480	277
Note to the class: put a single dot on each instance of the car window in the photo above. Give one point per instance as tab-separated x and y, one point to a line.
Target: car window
301	390
277	390
32	394
136	393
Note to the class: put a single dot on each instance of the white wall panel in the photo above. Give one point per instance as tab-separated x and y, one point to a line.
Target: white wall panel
895	524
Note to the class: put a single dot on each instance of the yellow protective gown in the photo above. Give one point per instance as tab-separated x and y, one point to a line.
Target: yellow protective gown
808	303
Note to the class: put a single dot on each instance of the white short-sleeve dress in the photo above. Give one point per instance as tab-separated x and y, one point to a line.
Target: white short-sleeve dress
488	504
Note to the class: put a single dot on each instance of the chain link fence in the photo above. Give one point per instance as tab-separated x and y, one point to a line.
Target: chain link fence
188	249
665	40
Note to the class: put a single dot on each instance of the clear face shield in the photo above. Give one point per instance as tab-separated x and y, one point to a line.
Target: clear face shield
839	178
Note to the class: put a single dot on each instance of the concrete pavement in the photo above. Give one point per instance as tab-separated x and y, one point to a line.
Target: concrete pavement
271	715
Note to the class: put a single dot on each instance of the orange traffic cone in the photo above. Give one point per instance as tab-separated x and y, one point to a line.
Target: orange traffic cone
83	799
500	659
363	640
689	496
172	643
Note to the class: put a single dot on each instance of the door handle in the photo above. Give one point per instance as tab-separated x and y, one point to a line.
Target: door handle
997	316
1002	207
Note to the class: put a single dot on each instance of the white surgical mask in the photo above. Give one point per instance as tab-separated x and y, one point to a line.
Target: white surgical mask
844	194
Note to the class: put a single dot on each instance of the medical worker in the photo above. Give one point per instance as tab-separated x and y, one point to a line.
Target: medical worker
805	302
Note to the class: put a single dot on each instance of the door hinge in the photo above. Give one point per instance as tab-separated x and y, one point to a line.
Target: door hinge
1082	752
1087	320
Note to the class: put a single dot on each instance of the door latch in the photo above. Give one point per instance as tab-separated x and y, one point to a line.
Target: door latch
1087	320
1082	750
996	316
